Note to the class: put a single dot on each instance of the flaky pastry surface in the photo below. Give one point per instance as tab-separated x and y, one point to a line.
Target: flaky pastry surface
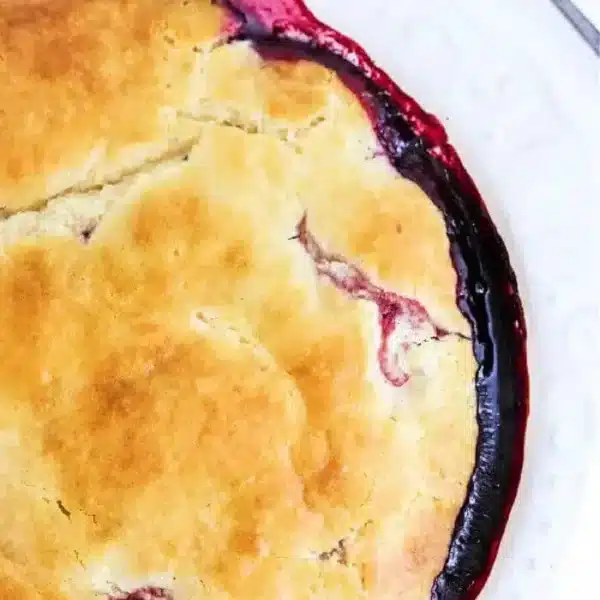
185	403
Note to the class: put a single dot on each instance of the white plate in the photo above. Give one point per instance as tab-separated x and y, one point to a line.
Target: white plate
519	94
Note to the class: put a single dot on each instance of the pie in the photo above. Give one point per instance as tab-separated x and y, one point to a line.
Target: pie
240	356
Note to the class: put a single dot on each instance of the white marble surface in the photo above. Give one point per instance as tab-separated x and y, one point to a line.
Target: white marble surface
519	94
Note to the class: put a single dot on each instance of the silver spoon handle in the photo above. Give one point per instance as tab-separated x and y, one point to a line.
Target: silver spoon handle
581	23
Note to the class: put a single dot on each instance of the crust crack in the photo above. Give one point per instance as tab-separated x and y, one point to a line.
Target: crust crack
264	126
83	227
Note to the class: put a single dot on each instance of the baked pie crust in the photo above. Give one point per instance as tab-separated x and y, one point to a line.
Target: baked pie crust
233	364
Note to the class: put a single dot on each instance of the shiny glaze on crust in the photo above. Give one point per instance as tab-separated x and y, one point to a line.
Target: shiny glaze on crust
487	293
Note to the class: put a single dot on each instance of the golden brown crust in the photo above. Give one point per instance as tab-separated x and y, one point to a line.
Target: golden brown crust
183	401
89	88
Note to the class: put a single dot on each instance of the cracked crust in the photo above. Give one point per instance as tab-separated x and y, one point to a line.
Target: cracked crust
184	402
90	89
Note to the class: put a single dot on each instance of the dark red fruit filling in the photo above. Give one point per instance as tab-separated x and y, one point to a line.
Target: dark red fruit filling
87	233
403	321
416	145
144	593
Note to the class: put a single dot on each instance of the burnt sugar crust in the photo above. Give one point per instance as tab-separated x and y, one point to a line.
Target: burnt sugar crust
233	361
